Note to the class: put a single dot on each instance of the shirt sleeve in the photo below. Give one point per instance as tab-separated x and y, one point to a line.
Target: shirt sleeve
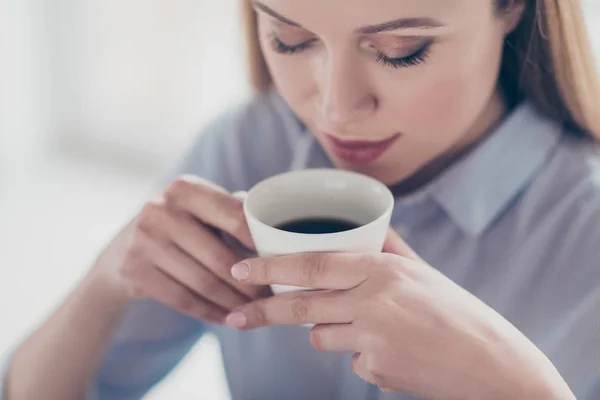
576	338
153	338
235	151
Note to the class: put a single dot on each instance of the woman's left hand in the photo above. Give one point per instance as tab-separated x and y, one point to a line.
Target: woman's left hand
413	330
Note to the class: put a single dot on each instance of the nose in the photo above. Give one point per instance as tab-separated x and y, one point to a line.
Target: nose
346	96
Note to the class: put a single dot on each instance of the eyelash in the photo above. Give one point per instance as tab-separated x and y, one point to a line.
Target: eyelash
418	57
283	48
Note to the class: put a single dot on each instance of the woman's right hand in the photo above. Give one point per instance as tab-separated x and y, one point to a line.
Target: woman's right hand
171	253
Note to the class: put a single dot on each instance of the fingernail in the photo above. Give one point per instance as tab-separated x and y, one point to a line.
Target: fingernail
236	320
241	271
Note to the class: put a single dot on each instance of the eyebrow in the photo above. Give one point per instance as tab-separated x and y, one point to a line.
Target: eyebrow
402	23
260	6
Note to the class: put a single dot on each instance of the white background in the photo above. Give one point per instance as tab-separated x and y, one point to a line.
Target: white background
96	98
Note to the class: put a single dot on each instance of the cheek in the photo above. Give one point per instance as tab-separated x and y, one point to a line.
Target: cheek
451	92
293	76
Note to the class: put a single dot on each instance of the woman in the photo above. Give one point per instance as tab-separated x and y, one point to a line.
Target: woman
480	115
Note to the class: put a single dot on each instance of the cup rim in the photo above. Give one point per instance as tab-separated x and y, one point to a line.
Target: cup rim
385	215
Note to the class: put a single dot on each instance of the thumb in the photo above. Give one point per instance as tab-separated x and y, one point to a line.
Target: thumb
395	245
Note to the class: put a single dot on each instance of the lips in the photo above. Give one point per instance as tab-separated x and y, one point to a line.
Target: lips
359	152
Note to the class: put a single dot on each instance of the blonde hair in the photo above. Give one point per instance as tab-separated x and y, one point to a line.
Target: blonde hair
547	60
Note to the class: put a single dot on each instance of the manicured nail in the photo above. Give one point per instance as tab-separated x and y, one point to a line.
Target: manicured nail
236	320
241	271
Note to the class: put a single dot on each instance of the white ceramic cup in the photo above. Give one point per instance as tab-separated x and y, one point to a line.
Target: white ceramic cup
317	193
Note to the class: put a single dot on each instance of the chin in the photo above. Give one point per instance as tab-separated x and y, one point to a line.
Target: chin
383	172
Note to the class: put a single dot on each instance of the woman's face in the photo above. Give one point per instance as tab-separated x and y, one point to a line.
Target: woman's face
387	86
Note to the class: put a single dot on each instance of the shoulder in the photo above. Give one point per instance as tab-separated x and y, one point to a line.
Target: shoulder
570	180
245	143
265	115
569	217
563	204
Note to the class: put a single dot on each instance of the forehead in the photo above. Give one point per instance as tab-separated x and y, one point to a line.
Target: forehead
355	13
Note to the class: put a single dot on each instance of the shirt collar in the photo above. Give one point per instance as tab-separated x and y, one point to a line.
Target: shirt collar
475	190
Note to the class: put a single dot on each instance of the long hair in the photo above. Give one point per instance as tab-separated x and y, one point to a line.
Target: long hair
547	60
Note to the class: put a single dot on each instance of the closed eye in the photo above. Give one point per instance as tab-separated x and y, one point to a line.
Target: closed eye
416	58
283	48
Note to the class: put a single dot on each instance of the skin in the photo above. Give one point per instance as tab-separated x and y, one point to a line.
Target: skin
336	86
440	108
411	329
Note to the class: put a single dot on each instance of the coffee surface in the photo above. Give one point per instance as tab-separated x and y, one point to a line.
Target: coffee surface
317	225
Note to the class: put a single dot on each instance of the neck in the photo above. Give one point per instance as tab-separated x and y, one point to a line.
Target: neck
492	115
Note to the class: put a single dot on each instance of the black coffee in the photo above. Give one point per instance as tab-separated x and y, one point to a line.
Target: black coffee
317	225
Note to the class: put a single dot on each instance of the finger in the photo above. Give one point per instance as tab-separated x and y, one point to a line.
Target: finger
294	308
156	284
212	205
334	338
394	244
317	270
360	368
210	251
195	277
202	245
